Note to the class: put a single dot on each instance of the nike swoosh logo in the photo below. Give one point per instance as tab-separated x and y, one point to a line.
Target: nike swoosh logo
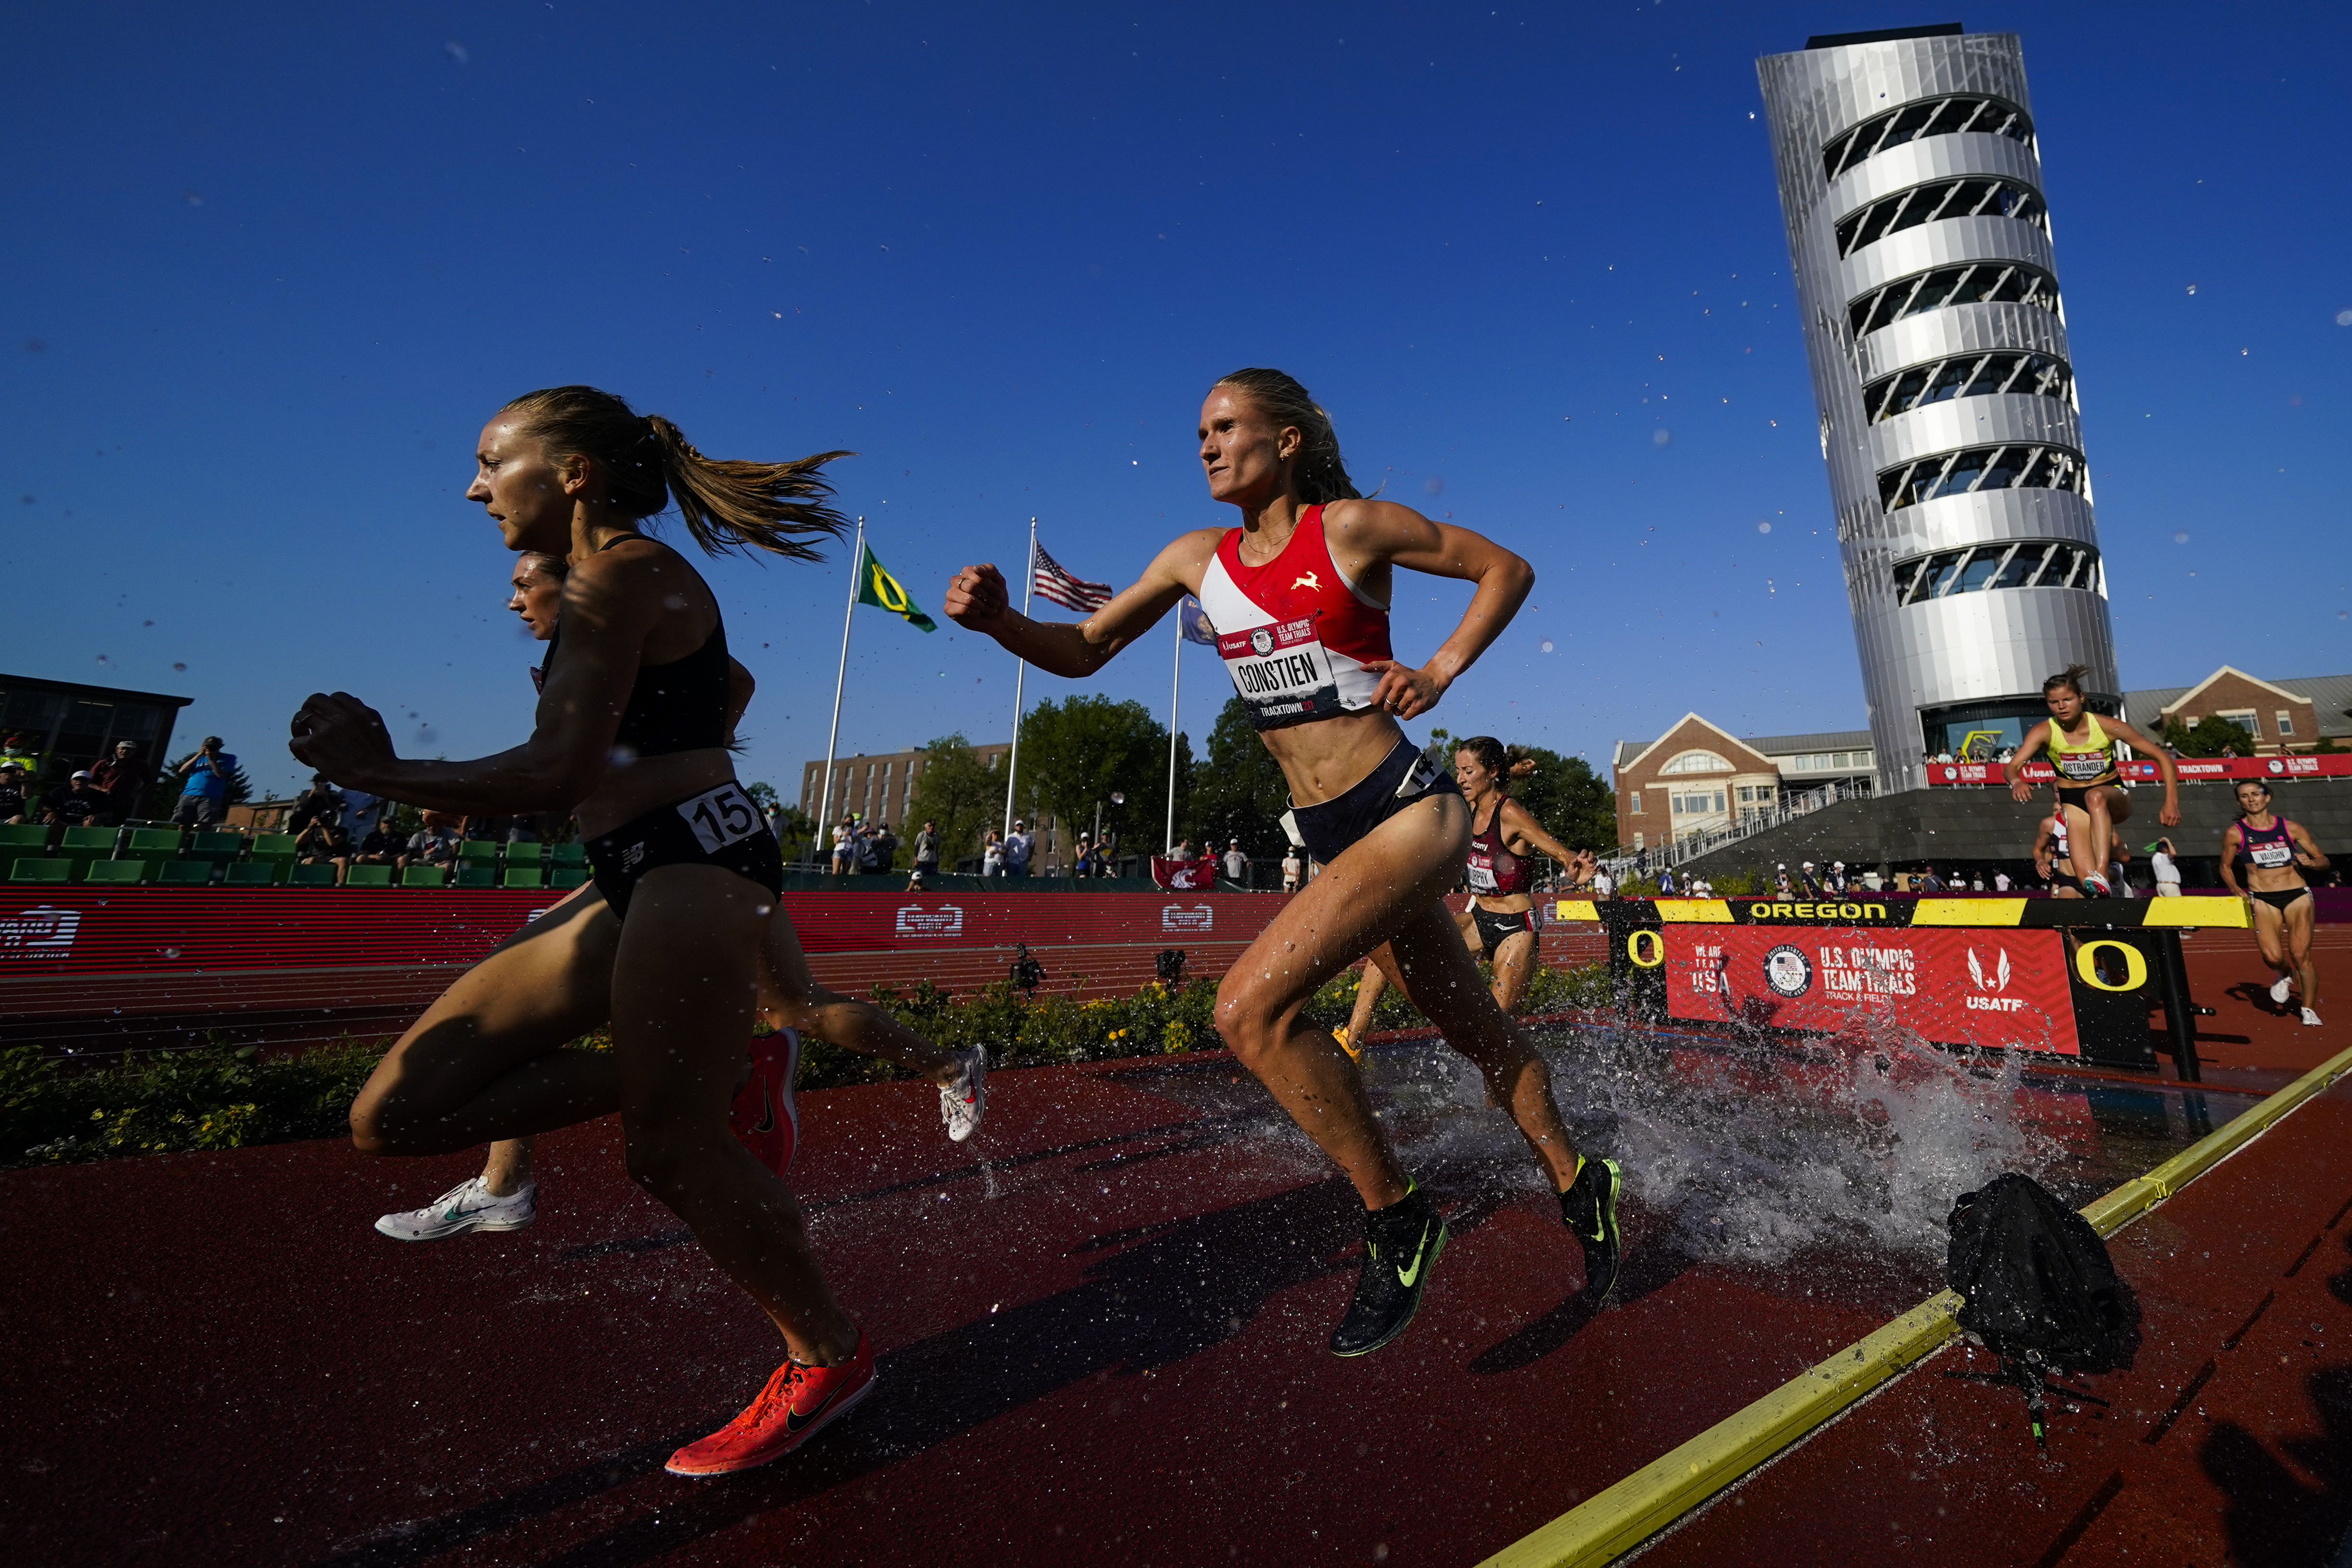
767	1122
1405	1276
794	1420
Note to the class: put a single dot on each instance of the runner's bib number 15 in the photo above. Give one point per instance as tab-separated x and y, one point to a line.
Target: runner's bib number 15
720	817
1283	672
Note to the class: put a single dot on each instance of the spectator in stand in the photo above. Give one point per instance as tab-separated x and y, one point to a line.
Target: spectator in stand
927	850
317	805
1603	884
13	749
1928	882
1293	870
12	793
2000	882
204	787
2167	868
325	842
1976	882
76	803
384	844
844	847
434	844
1237	862
1185	851
1780	887
991	854
1807	882
118	778
1873	880
361	812
1082	859
1666	882
1018	847
1836	881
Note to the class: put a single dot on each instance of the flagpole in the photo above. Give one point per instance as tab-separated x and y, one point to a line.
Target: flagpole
841	678
1012	762
1175	685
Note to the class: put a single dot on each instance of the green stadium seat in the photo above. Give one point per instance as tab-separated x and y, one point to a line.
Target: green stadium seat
477	876
155	843
116	873
478	851
571	854
83	845
256	874
220	848
322	875
23	836
185	873
275	847
40	870
567	877
423	876
363	876
524	876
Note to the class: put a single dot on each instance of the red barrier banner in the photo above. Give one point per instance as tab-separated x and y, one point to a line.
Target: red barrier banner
2002	989
60	930
2192	770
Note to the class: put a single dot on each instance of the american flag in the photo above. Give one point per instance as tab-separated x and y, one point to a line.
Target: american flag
1050	582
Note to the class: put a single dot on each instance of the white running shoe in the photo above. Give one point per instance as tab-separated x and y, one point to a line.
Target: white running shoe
2279	988
2310	1018
964	1102
469	1206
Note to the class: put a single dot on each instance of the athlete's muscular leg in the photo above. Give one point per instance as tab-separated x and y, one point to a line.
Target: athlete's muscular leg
508	1166
684	986
486	1061
1392	879
2109	806
2269	935
1514	967
790	997
1444	983
2297	919
1375	980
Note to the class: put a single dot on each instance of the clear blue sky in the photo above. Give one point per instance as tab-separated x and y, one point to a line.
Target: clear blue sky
267	269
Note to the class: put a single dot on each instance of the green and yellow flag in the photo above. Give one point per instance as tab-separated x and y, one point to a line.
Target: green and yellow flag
877	587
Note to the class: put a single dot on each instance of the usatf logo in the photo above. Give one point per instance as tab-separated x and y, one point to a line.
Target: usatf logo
1262	641
1995	979
1787	971
44	931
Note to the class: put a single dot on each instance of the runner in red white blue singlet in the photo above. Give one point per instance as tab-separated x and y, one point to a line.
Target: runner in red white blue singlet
1298	598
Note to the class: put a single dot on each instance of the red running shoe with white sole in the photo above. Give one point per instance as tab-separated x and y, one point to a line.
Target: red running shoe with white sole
766	1116
794	1406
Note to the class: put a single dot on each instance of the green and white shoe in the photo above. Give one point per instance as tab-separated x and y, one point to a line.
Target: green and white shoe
469	1206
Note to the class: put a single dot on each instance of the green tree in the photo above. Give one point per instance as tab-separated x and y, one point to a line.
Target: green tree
1082	750
1574	806
958	791
1241	794
2208	737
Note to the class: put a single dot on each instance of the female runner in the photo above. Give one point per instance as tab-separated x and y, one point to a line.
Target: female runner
1501	922
631	737
2082	748
764	1114
1299	595
2270	852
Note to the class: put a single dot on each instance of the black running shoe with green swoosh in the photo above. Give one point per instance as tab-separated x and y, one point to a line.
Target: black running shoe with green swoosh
1400	1247
1590	1208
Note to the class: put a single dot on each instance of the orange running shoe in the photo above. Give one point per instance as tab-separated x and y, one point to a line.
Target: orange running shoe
793	1407
766	1116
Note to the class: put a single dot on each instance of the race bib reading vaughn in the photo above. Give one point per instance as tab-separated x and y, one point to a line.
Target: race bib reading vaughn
1283	672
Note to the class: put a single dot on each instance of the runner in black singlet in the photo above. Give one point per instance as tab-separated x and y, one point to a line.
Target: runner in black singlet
1298	598
1501	922
2264	857
631	737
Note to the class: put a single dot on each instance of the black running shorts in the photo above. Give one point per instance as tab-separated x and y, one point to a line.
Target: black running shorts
1403	778
1495	929
719	827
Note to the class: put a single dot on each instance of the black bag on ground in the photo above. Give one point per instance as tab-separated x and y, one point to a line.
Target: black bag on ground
2039	1289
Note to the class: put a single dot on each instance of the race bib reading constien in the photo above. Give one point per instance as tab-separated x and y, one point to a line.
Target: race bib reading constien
1283	672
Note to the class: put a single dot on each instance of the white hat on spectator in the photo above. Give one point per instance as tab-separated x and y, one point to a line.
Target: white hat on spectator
81	773
1837	865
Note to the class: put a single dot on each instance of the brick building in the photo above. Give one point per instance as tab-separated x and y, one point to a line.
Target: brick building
876	788
1699	775
2282	715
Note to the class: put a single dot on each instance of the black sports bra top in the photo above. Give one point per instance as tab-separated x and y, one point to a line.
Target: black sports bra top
678	706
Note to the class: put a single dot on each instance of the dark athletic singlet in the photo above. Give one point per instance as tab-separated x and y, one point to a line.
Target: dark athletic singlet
678	706
1494	870
2270	848
1295	635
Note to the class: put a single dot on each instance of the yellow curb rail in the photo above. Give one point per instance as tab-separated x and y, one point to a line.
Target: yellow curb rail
1613	1522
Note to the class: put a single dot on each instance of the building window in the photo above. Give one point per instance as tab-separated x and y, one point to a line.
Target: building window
1695	762
1965	375
2246	719
2028	563
2285	723
1974	196
2016	466
1636	798
1971	282
1930	117
1697	804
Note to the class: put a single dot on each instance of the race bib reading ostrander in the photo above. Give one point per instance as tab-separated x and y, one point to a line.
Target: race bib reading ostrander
1283	671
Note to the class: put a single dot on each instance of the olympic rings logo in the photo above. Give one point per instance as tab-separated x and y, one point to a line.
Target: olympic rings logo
1655	948
2086	965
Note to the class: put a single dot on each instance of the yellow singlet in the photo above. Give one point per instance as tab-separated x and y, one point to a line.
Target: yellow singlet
2084	766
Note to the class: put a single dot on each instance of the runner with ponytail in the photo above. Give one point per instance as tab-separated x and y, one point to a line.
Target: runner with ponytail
2082	748
1299	595
631	737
